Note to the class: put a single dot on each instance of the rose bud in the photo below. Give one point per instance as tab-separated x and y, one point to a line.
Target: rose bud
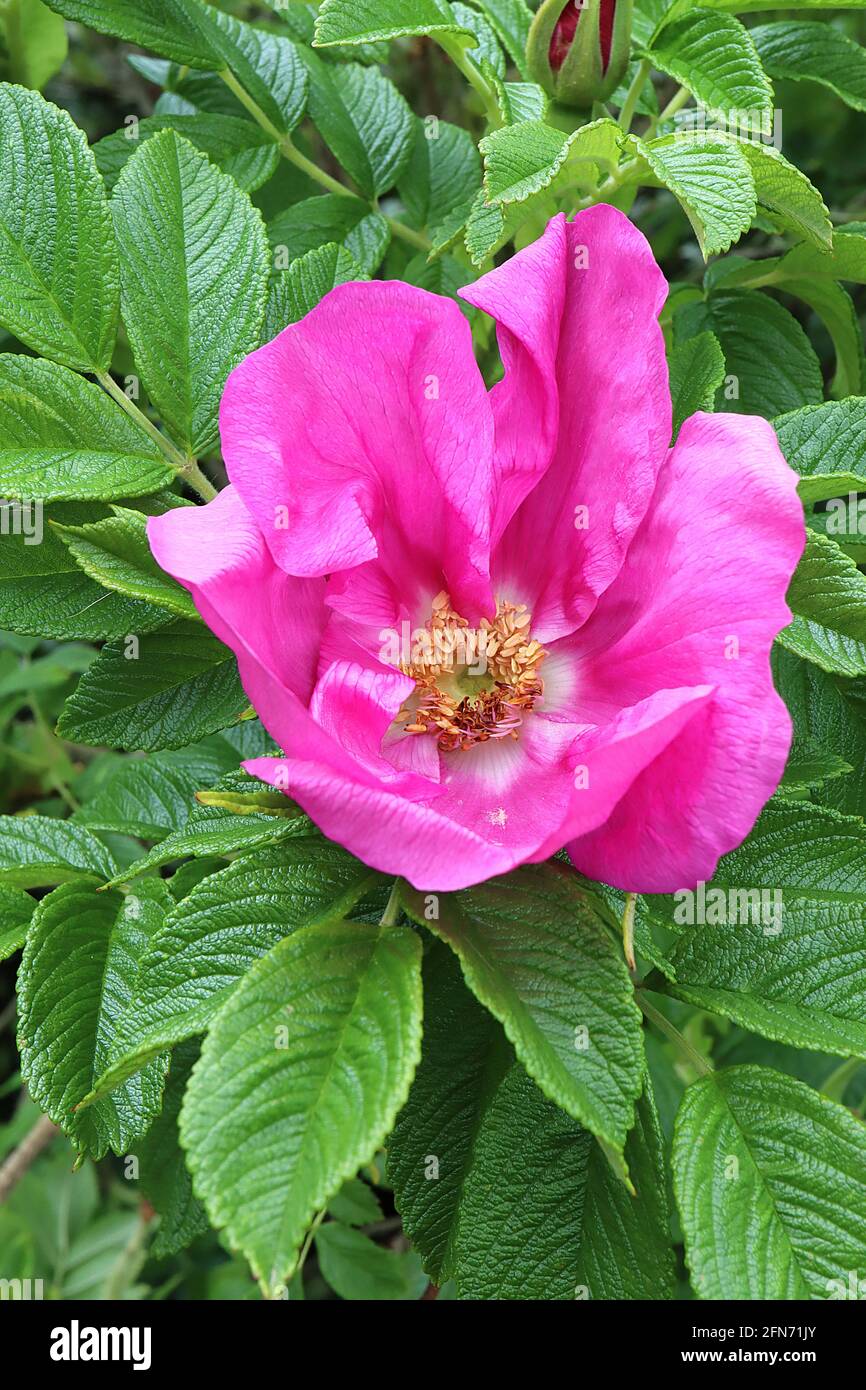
579	52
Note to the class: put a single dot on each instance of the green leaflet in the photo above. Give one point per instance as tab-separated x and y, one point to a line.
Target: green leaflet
365	21
697	370
772	365
152	797
213	936
714	56
77	974
827	596
503	1192
173	686
803	49
296	290
16	910
32	42
774	941
225	821
116	553
43	591
521	160
164	1175
825	445
63	438
36	851
711	180
319	1044
58	263
364	120
236	145
194	281
315	222
441	179
763	1158
535	953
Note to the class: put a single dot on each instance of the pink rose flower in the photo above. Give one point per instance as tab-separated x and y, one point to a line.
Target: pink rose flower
486	625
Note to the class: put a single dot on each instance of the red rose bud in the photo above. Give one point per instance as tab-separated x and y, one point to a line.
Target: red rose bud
579	52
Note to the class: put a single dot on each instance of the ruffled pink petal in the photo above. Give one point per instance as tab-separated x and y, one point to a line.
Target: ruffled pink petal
700	598
365	430
499	805
584	408
270	620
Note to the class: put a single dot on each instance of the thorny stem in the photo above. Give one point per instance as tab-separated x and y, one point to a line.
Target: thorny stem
187	468
289	150
701	1064
21	1159
475	77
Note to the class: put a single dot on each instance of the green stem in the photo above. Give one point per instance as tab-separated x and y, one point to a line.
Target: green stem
701	1064
677	101
627	173
475	77
289	150
632	96
392	910
836	1084
186	467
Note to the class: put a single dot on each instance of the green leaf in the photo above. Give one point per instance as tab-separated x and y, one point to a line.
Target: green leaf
767	354
774	943
521	160
172	687
486	49
713	55
711	180
359	1270
317	221
116	553
826	445
832	712
267	65
58	262
502	1191
16	910
63	438
522	101
213	936
810	765
295	291
535	953
151	797
301	1076
764	1159
828	599
697	370
441	179
77	976
786	195
36	851
365	21
194	280
511	21
164	1176
32	42
174	28
43	591
798	49
219	829
239	147
355	1204
363	119
834	305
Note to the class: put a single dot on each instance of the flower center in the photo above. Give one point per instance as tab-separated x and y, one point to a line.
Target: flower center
472	684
